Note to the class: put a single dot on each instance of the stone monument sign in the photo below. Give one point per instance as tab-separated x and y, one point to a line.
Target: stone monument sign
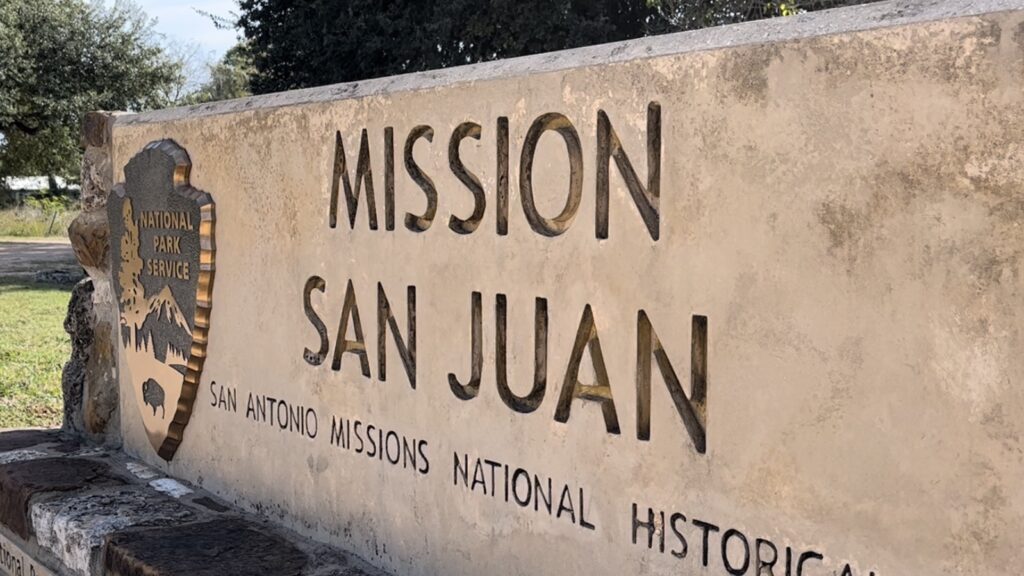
745	301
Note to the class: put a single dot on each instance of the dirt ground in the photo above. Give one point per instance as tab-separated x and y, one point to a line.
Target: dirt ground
38	260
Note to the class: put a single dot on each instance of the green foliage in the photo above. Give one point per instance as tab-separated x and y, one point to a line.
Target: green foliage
315	42
229	78
61	59
47	218
33	349
50	203
301	44
46	149
675	15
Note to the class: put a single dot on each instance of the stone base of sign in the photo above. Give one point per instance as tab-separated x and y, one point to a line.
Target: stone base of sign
73	508
88	380
78	324
91	405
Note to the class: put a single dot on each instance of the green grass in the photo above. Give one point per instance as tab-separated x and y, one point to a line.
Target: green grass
33	350
35	222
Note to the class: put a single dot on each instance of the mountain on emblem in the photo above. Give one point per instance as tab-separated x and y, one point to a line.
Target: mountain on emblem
163	266
167	310
165	329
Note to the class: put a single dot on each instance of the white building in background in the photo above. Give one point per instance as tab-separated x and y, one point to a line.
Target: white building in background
18	188
34	183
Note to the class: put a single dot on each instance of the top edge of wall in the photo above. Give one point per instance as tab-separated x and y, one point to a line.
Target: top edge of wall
879	15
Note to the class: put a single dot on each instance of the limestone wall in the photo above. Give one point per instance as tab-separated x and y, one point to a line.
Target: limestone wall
835	250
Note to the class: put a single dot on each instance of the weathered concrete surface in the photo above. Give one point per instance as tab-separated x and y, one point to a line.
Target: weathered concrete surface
212	548
97	170
841	199
62	504
30	438
74	528
88	379
21	480
89	238
79	324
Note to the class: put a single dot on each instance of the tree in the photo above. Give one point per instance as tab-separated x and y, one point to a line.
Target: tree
229	78
301	44
676	15
191	64
132	293
61	59
315	42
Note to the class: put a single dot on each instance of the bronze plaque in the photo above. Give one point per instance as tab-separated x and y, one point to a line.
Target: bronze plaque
162	231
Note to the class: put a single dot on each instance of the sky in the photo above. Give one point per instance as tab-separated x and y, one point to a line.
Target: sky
182	25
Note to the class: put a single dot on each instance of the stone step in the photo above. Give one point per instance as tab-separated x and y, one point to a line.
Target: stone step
68	508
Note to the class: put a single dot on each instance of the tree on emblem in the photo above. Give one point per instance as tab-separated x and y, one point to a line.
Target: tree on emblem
132	311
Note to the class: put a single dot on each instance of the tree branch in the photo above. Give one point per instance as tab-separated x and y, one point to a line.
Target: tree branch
25	128
20	127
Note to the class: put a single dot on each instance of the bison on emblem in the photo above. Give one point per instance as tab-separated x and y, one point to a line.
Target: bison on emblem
153	396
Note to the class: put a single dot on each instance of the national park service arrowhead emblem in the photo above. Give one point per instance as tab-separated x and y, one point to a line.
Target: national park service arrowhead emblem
162	261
